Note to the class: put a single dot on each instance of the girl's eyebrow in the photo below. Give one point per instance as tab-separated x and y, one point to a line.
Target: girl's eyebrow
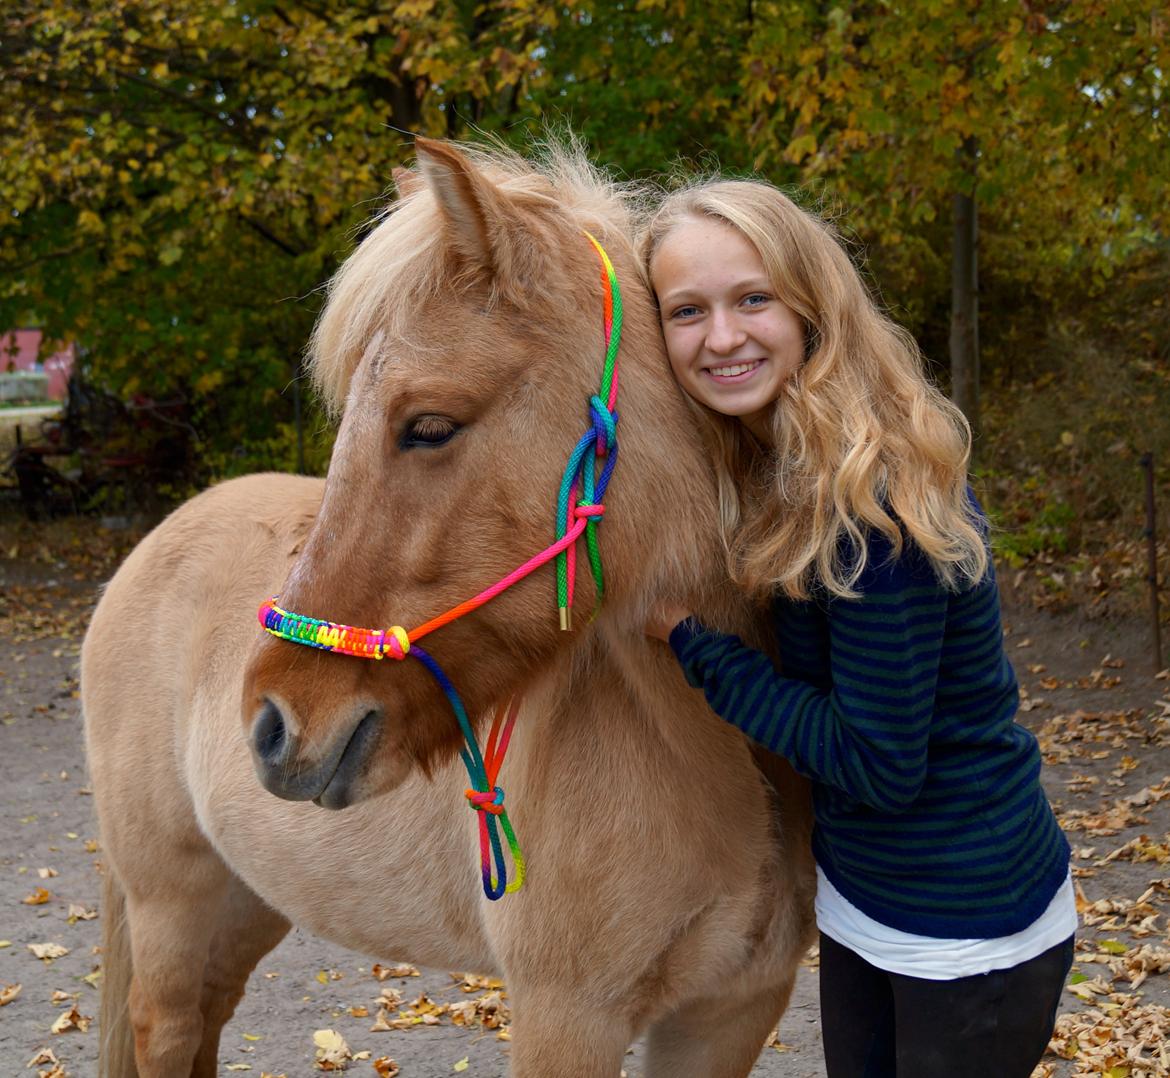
748	284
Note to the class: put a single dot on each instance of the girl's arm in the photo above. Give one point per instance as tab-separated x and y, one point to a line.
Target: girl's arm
865	735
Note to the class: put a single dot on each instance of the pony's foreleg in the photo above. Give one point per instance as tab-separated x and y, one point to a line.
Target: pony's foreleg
715	1038
172	915
246	930
553	1033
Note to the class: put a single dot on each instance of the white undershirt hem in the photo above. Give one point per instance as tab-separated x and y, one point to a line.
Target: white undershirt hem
935	959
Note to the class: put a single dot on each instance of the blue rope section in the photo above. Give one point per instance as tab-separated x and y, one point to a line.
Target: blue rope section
476	773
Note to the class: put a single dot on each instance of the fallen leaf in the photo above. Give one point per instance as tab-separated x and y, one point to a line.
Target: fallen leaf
48	951
488	1010
71	1019
382	1024
8	993
474	982
332	1052
403	969
47	873
462	1065
237	1066
390	998
38	898
386	1067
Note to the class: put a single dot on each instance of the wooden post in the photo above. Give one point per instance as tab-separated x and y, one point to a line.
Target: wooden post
1152	548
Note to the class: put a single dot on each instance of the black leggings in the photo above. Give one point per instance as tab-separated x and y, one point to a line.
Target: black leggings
886	1025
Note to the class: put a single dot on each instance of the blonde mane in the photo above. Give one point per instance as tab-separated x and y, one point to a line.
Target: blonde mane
403	261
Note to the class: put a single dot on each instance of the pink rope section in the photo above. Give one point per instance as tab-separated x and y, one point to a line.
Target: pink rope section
395	642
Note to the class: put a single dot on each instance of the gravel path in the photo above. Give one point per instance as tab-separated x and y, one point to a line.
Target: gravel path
1098	724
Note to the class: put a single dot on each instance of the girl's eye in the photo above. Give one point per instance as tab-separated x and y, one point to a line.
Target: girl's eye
429	431
756	299
688	311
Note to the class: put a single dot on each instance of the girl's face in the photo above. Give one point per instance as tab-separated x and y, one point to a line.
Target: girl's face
732	343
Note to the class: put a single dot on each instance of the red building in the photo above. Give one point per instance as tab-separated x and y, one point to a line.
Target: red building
20	350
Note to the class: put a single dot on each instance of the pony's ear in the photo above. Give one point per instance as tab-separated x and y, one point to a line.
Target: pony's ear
406	181
474	212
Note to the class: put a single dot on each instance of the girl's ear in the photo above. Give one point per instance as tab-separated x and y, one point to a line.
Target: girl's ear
474	213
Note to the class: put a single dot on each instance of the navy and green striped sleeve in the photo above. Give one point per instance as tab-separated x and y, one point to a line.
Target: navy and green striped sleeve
865	730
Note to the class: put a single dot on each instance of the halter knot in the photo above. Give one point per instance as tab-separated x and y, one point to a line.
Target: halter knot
589	510
486	800
394	642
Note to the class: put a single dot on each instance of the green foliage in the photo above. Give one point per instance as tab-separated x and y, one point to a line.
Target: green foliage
1045	530
1062	101
182	176
179	177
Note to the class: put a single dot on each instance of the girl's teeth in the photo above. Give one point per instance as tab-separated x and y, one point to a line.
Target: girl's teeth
731	372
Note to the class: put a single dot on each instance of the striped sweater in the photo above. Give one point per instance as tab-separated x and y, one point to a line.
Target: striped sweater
899	706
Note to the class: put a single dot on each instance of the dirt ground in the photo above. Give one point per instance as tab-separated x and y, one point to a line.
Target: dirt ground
1102	718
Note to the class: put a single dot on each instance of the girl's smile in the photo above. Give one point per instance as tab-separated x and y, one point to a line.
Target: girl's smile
737	372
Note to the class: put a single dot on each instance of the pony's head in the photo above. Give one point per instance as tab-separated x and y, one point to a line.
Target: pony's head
462	342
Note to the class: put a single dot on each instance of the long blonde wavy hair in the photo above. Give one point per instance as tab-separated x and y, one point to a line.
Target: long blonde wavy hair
861	440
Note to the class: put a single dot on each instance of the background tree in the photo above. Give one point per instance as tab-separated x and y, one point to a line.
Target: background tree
181	177
1046	120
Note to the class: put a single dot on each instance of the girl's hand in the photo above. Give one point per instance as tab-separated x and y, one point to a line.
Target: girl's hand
664	619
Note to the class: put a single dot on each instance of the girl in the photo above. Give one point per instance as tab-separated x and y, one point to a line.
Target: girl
944	900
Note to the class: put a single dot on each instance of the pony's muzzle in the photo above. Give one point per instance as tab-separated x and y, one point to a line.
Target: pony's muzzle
281	767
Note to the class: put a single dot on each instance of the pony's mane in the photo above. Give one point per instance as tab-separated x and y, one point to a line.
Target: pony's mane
403	261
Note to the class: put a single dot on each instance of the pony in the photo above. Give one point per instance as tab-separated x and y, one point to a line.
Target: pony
461	343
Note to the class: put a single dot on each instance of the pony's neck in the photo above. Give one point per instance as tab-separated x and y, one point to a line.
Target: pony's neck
619	684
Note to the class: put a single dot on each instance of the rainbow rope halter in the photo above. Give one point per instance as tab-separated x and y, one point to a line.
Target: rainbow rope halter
580	486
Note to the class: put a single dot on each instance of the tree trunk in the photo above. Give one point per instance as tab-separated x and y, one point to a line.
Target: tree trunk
964	345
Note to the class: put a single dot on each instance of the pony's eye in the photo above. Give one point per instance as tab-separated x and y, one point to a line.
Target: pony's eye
429	431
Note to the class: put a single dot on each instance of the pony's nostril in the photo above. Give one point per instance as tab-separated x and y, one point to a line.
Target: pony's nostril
269	733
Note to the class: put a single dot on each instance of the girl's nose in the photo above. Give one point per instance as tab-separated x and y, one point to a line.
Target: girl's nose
724	335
